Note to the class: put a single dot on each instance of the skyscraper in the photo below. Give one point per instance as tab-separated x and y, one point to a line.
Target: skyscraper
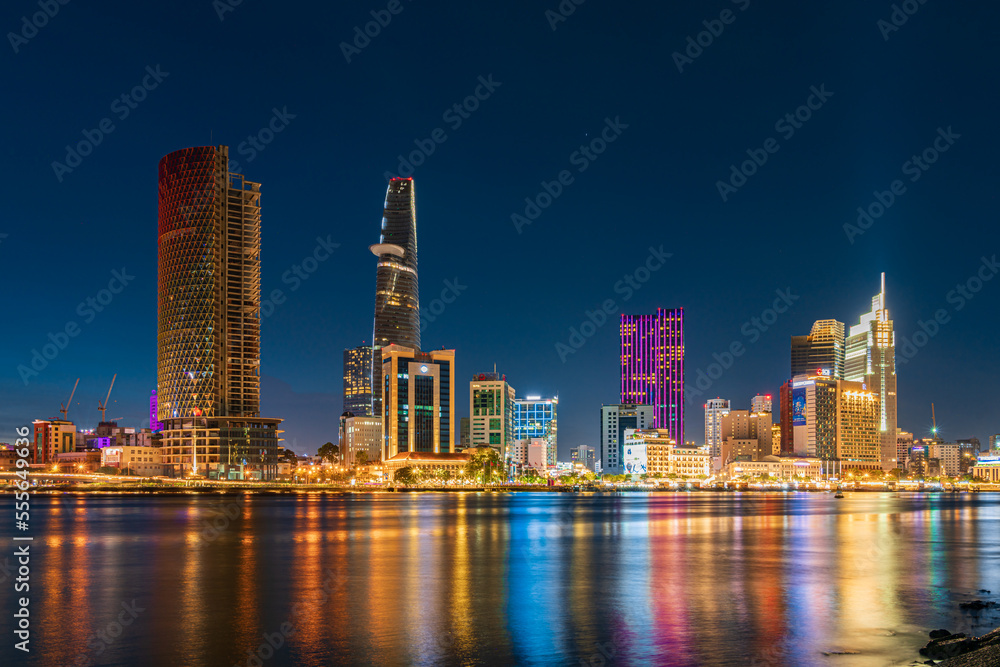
208	318
397	300
822	349
715	410
491	410
358	381
652	362
538	418
871	360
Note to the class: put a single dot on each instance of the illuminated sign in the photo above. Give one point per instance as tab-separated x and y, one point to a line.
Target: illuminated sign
799	406
635	459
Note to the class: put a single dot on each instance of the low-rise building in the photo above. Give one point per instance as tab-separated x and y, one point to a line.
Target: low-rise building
144	461
453	463
78	462
785	468
662	456
987	469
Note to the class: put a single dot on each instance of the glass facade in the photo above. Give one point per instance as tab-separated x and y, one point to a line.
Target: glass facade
538	418
652	364
418	409
358	381
397	302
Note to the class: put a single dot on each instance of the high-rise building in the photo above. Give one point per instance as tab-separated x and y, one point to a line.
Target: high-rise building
836	419
715	410
904	441
760	403
871	359
397	299
491	413
822	350
50	438
583	455
745	436
776	439
464	437
652	362
995	444
537	417
360	439
208	319
419	407
615	420
358	381
785	401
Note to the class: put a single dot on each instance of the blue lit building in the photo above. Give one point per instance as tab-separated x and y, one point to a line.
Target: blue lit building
536	417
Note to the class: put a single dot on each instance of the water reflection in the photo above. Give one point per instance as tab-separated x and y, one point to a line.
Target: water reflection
684	579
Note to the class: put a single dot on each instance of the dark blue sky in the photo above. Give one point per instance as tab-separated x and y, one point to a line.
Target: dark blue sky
655	185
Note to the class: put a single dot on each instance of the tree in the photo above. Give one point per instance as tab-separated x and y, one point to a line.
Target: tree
329	452
361	458
404	475
485	465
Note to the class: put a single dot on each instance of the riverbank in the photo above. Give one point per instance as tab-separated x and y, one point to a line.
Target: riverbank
958	650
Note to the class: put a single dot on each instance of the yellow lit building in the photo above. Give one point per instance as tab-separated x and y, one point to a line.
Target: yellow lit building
664	458
859	441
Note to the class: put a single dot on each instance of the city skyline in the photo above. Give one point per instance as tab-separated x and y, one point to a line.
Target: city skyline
488	165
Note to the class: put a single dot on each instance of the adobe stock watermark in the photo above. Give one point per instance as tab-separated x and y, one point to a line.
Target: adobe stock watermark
915	167
101	640
222	518
959	298
362	38
900	14
787	125
297	274
31	26
563	11
433	310
581	158
713	29
454	116
87	310
627	286
255	144
122	106
752	330
223	7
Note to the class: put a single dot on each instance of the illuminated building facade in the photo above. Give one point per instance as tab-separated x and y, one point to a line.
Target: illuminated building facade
745	436
652	363
871	360
360	439
208	319
491	410
615	420
358	381
715	410
397	300
538	418
50	438
663	458
419	406
859	440
823	349
760	403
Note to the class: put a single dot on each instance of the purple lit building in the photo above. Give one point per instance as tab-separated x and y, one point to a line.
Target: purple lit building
154	425
653	366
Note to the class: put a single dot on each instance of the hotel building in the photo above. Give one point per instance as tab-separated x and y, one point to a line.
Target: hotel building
491	410
652	366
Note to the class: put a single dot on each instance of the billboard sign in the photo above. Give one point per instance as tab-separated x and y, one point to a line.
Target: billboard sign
799	406
634	461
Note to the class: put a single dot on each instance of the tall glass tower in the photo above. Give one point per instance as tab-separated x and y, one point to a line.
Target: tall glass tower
652	360
871	359
397	300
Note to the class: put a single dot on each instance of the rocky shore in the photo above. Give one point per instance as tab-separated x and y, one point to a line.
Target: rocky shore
959	650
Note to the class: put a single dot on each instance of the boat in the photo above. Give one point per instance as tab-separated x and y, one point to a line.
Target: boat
839	493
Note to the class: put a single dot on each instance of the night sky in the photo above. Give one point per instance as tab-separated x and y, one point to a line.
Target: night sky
521	287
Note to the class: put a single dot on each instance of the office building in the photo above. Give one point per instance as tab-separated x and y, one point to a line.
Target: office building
787	440
652	362
760	403
209	317
871	360
585	456
464	437
51	437
812	417
360	439
971	443
130	460
358	381
419	401
615	420
537	417
786	468
397	299
822	350
491	413
859	440
995	444
715	410
745	435
904	441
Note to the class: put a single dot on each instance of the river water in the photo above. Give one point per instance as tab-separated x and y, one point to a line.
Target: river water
524	578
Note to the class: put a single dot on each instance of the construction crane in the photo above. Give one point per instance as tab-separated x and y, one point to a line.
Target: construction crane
933	422
65	408
103	407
